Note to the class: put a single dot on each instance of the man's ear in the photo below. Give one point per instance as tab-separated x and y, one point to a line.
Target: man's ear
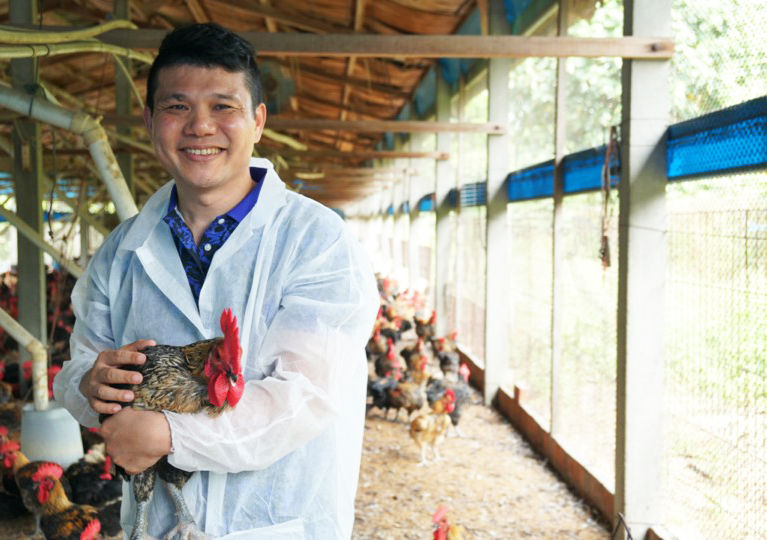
260	116
148	120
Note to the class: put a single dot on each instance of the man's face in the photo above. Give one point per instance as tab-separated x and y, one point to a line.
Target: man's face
203	127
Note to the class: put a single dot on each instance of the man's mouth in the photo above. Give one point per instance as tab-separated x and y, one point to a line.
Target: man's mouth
202	151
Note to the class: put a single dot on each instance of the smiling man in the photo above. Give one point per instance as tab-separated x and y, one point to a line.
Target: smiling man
226	233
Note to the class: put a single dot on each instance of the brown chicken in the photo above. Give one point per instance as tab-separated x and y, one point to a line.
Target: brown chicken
60	518
446	350
33	491
203	376
428	430
408	395
412	355
376	345
425	328
386	364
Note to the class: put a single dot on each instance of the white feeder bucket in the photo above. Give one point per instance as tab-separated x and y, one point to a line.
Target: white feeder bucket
50	435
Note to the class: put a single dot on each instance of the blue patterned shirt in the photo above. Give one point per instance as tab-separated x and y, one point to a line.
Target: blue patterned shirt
196	259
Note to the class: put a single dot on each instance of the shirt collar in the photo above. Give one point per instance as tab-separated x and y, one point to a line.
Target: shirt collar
242	208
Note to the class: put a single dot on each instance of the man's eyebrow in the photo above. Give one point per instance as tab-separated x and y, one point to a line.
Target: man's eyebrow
180	97
232	97
177	97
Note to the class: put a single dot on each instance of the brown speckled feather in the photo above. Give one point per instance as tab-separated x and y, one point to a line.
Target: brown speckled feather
174	379
69	523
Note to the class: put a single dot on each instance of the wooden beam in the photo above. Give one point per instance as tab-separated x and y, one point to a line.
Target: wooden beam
363	126
425	46
359	171
359	17
384	126
365	155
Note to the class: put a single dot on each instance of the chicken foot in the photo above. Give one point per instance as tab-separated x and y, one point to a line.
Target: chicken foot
186	529
175	479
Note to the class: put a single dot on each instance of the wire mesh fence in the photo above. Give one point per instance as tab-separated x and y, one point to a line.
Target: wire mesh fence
530	268
585	397
716	350
471	279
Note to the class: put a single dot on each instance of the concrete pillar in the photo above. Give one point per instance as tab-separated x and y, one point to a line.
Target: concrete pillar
557	256
29	190
641	274
445	181
497	290
124	103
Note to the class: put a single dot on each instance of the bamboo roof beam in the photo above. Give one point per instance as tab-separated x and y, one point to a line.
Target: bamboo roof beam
426	46
358	126
365	155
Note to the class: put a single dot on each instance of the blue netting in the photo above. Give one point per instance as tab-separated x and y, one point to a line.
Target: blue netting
531	183
474	194
724	141
452	198
404	208
390	210
583	170
426	203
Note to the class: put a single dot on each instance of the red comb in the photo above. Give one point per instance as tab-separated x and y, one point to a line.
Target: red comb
91	531
231	338
10	446
47	470
464	371
439	514
3	431
450	395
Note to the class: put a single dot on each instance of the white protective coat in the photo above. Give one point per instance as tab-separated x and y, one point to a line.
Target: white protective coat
284	463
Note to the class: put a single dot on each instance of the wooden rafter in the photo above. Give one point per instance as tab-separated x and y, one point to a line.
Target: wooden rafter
426	46
197	10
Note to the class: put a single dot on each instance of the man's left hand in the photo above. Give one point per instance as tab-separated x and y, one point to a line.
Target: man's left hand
136	439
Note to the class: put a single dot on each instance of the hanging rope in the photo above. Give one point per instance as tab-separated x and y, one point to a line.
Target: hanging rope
621	522
610	151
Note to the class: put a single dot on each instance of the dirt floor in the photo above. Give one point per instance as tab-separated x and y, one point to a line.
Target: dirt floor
490	479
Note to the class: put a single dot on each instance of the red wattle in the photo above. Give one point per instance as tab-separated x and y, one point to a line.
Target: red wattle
234	394
217	389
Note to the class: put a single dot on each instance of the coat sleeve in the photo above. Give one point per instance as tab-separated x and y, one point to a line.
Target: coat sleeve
315	346
92	333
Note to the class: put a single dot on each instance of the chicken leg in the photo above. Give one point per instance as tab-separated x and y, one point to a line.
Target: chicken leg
143	484
175	479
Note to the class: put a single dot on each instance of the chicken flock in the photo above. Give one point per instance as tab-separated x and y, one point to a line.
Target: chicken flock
410	368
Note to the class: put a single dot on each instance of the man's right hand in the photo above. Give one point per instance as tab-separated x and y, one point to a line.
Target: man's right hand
96	384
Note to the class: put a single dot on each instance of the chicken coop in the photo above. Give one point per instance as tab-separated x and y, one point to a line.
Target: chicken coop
576	189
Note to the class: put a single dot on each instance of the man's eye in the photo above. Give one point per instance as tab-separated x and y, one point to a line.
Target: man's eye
222	107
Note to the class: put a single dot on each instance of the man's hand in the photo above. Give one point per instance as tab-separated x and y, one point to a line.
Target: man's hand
136	439
106	371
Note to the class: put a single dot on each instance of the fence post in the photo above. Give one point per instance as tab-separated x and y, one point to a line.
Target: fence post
496	292
641	274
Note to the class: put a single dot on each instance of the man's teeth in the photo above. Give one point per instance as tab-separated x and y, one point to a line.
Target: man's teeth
202	151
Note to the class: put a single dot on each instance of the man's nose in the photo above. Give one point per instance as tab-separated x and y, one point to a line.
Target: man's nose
200	123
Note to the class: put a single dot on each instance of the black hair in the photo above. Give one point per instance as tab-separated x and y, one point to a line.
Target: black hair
206	45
